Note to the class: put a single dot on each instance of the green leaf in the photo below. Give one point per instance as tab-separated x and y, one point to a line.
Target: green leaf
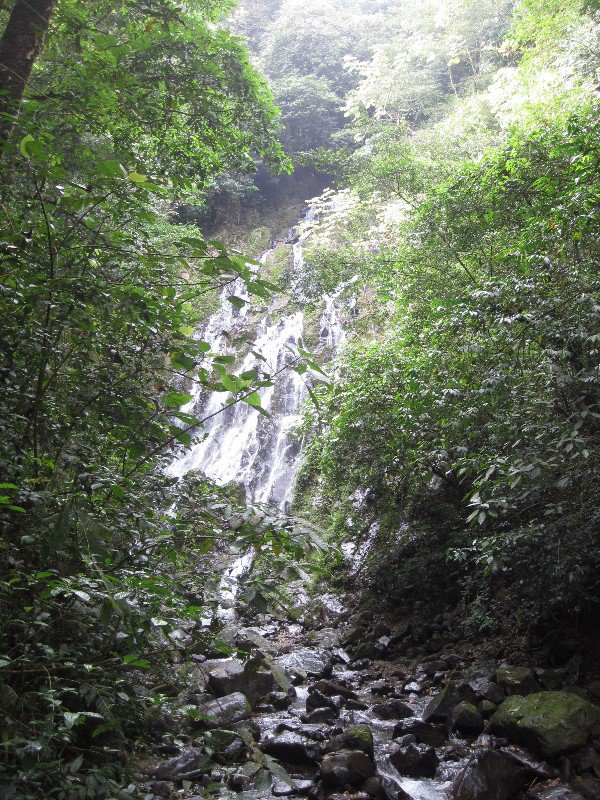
177	399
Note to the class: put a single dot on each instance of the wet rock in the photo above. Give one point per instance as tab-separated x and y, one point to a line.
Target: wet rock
356	705
413	686
265	708
307	662
333	688
550	724
486	708
492	692
454	752
466	719
382	646
517	680
340	656
280	700
425	732
361	663
318	700
553	791
358	737
320	715
282	789
441	706
392	709
372	787
491	775
415	760
589	787
382	687
229	675
227	745
346	766
190	765
292	748
404	741
231	708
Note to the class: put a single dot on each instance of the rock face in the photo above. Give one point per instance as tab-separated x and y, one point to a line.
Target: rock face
227	675
346	766
548	723
491	775
415	761
440	707
231	708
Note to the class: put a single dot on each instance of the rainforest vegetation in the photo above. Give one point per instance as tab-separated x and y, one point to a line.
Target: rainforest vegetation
451	151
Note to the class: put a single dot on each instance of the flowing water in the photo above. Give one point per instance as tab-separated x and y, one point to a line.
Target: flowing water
239	444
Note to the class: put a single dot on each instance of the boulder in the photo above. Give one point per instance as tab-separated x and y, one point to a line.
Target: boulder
415	760
282	789
550	724
493	693
318	700
346	766
491	775
307	662
517	680
358	737
392	709
291	748
441	706
223	710
333	688
467	719
189	765
320	715
228	675
425	732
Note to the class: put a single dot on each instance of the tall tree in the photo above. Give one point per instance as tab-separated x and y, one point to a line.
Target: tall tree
20	46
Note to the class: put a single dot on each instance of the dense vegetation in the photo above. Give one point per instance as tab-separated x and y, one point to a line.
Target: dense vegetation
460	146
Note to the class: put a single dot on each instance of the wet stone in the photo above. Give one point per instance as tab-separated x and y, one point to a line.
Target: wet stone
415	760
346	766
189	765
392	709
231	708
291	748
491	775
425	732
320	715
307	662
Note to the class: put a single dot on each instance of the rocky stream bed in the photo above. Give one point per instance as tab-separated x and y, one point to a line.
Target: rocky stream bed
334	711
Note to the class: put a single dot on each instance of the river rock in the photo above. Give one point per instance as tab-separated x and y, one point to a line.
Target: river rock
358	737
230	708
282	789
441	706
550	724
307	662
346	766
415	761
332	688
392	709
491	775
467	719
425	732
492	692
292	748
517	680
317	699
189	765
320	715
228	675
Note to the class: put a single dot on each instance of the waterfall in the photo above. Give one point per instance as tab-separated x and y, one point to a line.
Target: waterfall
239	444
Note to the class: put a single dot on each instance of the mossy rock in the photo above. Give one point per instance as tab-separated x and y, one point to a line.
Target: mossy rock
467	719
549	723
359	737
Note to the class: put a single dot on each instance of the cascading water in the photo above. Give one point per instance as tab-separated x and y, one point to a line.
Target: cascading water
238	443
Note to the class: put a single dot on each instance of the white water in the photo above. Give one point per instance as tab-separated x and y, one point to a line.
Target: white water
239	444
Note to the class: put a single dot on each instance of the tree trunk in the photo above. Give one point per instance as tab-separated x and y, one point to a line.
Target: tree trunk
19	48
